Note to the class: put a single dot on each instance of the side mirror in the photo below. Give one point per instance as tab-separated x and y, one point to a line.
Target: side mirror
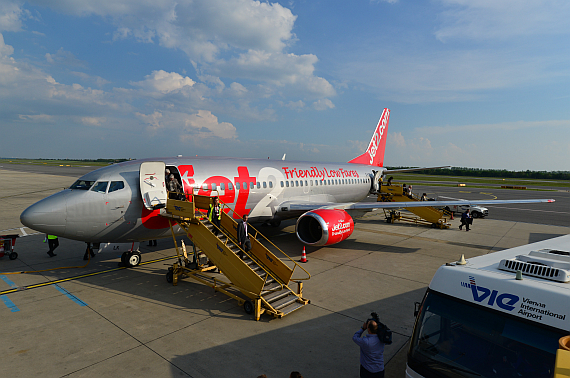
416	308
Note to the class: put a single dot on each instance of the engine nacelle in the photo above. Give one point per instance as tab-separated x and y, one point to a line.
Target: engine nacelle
324	226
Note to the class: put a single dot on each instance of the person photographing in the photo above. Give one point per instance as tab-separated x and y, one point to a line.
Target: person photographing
371	350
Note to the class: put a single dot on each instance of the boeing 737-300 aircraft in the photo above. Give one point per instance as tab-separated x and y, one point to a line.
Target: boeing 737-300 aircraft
121	203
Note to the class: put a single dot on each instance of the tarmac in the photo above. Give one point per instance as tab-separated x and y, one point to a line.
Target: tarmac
104	321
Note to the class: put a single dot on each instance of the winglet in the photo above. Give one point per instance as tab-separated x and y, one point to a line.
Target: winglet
374	154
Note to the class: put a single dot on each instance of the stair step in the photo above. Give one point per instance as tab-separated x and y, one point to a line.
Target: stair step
291	298
269	287
276	295
292	307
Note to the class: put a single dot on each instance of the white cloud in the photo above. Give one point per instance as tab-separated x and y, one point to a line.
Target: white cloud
164	82
64	57
36	118
153	120
205	125
93	121
489	19
494	127
323	104
12	15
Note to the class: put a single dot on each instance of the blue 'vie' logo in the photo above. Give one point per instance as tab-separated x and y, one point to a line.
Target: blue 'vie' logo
505	301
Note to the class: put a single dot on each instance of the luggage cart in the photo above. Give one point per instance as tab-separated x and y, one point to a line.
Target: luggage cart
7	243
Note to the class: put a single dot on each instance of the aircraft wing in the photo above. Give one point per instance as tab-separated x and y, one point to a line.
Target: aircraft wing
294	205
403	170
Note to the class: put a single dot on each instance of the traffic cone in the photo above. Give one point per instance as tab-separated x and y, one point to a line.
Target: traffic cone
452	215
303	256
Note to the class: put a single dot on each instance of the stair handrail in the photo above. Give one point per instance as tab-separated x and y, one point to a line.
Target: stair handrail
225	205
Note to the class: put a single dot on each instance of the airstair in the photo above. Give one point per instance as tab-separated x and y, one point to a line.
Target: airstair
257	279
425	215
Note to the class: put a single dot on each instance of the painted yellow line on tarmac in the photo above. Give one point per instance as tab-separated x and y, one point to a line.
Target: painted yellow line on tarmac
80	276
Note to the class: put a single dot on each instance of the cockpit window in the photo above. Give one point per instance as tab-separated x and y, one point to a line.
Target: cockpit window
100	187
116	185
82	185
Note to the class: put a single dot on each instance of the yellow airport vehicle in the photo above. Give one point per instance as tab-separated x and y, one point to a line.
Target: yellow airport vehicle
425	215
257	279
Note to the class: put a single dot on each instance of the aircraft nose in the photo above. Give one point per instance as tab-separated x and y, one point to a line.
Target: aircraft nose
48	215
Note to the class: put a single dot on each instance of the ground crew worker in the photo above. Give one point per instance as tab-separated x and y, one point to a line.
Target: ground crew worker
466	220
215	215
53	243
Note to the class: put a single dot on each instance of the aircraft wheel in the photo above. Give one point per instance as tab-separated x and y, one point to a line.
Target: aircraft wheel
13	256
170	276
275	223
248	307
134	259
125	258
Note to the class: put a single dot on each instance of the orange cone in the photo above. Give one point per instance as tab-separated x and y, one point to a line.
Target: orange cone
452	215
303	256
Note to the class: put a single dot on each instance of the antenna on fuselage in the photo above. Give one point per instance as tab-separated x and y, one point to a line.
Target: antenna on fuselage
283	158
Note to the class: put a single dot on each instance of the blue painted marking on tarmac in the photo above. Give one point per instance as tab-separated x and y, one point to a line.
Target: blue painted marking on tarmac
9	282
9	303
70	296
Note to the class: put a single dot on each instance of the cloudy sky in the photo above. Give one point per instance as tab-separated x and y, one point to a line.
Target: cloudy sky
474	83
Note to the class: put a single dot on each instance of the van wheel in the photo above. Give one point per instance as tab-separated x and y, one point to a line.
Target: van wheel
475	214
13	256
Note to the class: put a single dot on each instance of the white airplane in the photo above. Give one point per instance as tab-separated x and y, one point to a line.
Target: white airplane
121	203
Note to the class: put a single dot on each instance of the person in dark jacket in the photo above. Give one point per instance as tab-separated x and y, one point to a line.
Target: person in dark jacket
466	220
242	235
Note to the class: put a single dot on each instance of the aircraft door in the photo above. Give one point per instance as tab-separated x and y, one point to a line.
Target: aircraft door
152	185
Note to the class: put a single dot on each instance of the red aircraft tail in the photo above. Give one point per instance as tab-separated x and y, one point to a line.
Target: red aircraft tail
374	155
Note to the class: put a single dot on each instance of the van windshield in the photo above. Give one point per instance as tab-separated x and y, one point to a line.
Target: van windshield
82	185
457	339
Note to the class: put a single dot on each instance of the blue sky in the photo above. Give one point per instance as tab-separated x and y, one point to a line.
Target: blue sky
478	83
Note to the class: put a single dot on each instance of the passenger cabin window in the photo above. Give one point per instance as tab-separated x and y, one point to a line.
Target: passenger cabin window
306	183
100	187
205	186
296	183
271	184
116	185
222	186
82	185
230	186
237	185
287	183
264	185
282	184
251	185
214	187
301	182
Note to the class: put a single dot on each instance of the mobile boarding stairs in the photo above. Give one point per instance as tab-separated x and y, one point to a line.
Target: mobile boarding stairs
260	281
425	215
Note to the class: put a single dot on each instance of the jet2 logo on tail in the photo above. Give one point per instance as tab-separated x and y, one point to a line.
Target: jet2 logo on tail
377	137
505	301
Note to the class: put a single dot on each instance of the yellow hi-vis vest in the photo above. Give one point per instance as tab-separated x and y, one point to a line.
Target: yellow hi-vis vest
211	213
51	237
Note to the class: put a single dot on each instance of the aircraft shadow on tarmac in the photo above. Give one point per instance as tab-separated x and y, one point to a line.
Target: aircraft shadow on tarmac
536	237
320	346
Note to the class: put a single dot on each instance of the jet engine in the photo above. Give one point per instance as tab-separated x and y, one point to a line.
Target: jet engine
324	226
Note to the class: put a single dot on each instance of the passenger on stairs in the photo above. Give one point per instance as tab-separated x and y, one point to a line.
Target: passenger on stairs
174	188
243	236
215	216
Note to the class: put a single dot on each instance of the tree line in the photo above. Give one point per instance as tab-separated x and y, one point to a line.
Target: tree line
479	172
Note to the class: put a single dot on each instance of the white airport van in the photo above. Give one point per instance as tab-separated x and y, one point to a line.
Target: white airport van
479	320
